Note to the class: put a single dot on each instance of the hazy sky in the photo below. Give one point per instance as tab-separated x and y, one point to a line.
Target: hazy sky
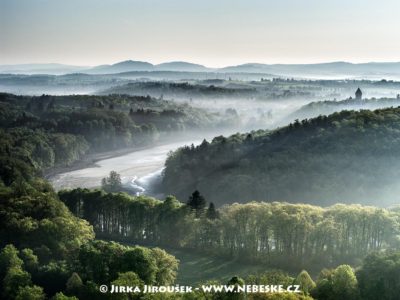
210	32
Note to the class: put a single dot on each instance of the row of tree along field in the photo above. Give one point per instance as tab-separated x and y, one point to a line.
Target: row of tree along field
278	234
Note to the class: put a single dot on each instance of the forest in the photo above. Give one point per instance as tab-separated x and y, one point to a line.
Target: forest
308	161
199	150
197	85
47	252
42	132
276	234
181	90
265	88
314	109
64	245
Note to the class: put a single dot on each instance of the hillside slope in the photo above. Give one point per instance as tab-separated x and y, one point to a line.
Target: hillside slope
350	157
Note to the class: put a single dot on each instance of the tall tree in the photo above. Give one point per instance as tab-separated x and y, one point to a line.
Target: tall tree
112	183
305	281
212	213
197	202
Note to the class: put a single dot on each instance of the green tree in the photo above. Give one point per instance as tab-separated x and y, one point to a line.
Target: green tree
128	279
40	220
344	283
52	276
340	283
61	296
197	202
91	291
379	276
9	259
30	293
235	281
112	183
323	289
31	262
141	261
305	281
167	266
14	279
212	213
74	284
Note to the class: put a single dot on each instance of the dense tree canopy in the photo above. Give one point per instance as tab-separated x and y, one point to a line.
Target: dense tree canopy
38	133
48	248
35	218
314	109
379	276
309	161
96	263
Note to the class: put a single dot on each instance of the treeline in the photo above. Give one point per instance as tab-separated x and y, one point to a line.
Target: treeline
278	234
46	131
350	157
328	107
184	90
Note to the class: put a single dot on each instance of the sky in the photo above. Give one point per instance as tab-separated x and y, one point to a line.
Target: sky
214	33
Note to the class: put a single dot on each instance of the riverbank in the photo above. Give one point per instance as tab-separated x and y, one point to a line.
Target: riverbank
90	160
140	167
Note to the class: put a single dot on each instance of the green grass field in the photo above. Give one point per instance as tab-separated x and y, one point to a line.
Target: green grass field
195	267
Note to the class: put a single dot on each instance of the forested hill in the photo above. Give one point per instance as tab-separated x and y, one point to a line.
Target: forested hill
42	132
315	109
348	157
182	90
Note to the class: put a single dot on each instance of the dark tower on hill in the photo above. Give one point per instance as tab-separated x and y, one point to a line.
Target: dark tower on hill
358	94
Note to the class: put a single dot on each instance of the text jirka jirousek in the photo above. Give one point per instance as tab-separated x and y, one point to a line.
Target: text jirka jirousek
206	288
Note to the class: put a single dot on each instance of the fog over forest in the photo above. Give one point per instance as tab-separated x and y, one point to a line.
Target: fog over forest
199	150
133	155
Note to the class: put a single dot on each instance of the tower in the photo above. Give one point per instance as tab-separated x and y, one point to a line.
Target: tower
358	94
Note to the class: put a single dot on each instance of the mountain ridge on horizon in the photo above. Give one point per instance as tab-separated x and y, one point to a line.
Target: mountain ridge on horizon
325	68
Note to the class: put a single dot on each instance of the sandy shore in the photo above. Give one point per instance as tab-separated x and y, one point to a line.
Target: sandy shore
140	163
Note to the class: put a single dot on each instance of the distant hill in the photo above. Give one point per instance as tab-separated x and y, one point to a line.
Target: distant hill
181	66
314	109
333	69
137	66
124	66
372	70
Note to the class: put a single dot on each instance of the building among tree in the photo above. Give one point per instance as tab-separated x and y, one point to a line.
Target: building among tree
358	94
